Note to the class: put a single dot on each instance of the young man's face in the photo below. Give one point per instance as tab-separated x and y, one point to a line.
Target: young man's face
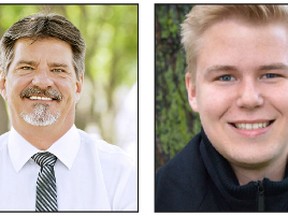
39	66
241	91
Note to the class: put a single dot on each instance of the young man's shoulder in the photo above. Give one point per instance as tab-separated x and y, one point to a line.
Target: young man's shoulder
181	183
184	162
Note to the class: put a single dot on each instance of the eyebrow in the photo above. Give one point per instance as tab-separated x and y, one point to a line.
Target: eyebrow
276	66
218	68
223	68
58	65
34	63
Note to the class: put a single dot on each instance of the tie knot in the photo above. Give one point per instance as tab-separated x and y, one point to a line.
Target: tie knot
44	159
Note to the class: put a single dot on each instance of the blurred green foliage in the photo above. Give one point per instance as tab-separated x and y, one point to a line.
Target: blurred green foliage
176	124
111	35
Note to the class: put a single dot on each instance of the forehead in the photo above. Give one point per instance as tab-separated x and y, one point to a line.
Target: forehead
48	48
237	29
235	42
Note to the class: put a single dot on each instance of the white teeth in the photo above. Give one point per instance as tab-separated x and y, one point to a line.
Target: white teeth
40	98
247	126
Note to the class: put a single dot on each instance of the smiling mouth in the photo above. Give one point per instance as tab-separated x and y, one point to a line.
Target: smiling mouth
36	93
40	98
252	126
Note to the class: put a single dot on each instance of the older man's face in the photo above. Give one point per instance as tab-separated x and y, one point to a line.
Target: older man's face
41	88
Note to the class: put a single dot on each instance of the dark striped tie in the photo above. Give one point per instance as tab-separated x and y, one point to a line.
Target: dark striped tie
46	192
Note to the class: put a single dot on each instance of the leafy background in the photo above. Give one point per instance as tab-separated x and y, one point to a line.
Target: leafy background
175	122
108	107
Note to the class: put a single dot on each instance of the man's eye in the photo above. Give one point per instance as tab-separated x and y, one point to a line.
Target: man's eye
270	76
226	78
26	68
57	70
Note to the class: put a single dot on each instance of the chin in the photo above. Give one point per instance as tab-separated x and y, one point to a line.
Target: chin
44	120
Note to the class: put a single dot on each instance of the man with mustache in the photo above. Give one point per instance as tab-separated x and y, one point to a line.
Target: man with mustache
42	72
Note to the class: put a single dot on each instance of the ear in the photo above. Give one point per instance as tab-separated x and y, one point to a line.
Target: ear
191	91
79	87
3	85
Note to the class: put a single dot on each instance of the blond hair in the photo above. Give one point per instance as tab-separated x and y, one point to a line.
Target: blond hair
202	17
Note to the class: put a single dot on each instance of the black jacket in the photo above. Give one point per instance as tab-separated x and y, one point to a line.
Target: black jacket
200	179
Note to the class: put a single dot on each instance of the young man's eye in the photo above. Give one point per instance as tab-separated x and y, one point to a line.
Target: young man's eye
270	76
226	78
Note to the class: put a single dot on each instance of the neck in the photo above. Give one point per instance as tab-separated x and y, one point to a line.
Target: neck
43	137
274	172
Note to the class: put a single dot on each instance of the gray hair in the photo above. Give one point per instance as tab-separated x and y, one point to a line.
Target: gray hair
39	26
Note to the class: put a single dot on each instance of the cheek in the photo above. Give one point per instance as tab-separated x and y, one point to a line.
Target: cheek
10	90
68	90
277	97
213	103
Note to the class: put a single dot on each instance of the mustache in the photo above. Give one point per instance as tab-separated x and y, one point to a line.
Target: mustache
36	91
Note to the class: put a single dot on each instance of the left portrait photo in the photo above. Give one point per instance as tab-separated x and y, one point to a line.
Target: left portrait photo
69	108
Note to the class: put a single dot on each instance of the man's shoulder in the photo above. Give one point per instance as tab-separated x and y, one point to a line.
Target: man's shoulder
184	161
4	142
180	184
105	150
5	134
4	137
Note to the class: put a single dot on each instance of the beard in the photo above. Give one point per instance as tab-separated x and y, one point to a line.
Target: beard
40	116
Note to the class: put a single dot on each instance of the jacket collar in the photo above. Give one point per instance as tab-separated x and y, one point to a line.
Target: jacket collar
225	182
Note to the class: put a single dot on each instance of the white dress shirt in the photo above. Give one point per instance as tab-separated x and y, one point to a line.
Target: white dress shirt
91	174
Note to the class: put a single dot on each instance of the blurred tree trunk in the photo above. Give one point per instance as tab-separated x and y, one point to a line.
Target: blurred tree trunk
4	122
175	121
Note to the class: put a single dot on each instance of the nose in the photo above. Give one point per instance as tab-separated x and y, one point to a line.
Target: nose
42	79
250	96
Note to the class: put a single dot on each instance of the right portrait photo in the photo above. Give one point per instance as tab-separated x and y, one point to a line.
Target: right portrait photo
221	108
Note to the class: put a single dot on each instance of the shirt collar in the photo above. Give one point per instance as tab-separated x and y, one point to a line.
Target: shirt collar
65	149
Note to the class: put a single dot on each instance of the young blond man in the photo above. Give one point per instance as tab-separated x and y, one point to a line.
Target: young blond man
237	80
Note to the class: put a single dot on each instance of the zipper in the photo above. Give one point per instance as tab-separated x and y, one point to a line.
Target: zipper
260	196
